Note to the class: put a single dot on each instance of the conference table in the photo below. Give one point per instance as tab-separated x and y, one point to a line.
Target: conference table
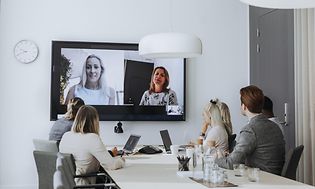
160	171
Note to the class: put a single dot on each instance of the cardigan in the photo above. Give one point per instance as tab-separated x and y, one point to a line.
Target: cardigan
89	153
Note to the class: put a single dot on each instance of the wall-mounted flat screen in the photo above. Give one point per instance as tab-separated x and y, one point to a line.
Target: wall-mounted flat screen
117	81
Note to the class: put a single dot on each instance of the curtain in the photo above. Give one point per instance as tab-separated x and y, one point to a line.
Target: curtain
305	91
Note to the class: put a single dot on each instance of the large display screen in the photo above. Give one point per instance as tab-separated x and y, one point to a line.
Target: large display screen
117	81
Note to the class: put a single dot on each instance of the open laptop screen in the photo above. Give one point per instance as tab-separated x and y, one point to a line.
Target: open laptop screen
166	140
131	143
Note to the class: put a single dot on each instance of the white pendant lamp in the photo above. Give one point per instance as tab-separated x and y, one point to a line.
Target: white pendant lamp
281	4
170	45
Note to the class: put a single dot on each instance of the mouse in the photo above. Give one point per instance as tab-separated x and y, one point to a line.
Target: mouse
149	149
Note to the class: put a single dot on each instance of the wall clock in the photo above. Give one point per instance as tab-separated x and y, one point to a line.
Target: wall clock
26	51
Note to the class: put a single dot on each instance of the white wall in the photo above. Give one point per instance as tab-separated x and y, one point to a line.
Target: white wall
25	88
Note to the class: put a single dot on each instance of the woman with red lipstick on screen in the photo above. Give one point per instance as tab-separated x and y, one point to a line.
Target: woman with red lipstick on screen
93	88
159	94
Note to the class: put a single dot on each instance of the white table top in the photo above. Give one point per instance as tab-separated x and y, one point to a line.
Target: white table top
160	171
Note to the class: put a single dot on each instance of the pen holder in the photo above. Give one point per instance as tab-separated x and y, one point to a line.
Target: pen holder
183	163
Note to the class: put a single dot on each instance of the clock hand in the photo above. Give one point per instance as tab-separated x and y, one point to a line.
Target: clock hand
22	52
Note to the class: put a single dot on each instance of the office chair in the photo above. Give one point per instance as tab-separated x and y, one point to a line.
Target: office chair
64	175
46	167
291	162
45	145
231	142
69	162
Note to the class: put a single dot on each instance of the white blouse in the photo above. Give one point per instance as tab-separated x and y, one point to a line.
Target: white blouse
89	153
219	135
90	96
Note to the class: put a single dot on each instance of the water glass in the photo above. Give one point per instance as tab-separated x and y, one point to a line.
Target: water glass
239	169
208	166
190	152
217	176
174	149
253	174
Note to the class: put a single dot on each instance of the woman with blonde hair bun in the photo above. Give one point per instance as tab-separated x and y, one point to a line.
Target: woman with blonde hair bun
214	126
86	146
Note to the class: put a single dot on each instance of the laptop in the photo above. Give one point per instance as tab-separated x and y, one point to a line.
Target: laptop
130	145
166	140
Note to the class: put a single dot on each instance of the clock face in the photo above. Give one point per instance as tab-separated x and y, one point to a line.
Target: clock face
26	51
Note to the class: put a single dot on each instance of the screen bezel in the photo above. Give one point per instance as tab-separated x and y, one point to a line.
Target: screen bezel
106	112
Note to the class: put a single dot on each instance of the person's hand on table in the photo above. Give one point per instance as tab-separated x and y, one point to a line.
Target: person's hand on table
114	151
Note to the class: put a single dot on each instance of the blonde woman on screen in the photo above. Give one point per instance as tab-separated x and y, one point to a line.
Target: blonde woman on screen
93	88
88	150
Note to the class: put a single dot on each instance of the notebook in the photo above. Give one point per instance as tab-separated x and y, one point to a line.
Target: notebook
130	145
166	140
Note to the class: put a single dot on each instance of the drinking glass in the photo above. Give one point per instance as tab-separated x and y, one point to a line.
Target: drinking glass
239	169
253	174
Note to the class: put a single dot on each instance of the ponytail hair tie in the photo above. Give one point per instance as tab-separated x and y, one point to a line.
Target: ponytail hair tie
213	101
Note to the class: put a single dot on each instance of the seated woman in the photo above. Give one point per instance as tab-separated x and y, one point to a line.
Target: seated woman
87	147
64	124
213	124
226	117
158	93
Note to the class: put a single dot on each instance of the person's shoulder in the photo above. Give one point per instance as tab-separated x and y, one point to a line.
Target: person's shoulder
68	134
170	91
91	136
64	119
248	127
83	137
147	92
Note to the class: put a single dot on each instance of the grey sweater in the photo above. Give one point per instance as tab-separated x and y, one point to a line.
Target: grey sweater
61	126
260	144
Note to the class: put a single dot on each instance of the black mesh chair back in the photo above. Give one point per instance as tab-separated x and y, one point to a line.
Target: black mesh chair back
46	167
232	142
291	163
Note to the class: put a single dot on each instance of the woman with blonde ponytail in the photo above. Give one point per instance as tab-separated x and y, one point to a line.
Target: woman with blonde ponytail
213	130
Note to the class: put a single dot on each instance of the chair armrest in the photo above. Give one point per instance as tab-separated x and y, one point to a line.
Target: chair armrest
97	185
90	175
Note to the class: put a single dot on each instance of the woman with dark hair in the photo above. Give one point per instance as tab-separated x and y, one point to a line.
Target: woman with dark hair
64	124
159	94
93	88
86	146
